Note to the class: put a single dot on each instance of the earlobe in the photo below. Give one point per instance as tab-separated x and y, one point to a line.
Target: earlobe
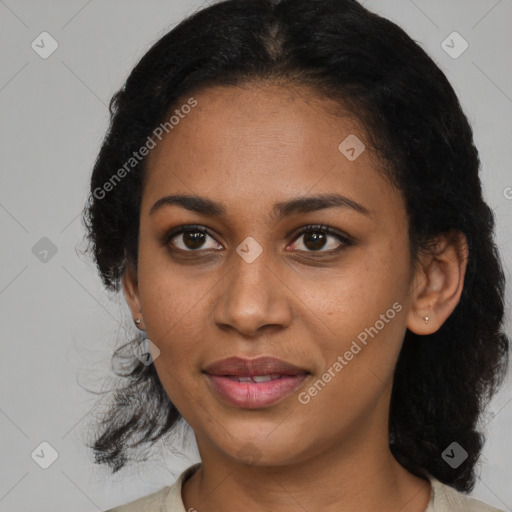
131	293
438	283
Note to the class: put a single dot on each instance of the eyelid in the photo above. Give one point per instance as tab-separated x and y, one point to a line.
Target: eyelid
321	227
346	240
188	227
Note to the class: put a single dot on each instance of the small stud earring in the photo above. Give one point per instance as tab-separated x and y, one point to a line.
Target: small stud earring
137	321
426	319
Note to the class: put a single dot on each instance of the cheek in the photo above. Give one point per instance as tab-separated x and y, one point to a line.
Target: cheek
365	285
361	312
174	308
175	321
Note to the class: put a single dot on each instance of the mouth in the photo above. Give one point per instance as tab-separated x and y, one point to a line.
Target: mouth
253	378
254	383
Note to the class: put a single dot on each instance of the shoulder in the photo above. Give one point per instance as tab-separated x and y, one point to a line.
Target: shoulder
151	503
447	499
167	499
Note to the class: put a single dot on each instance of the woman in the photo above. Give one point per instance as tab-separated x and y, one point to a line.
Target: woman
288	194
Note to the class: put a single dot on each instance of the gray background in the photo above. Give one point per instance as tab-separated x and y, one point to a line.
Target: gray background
59	326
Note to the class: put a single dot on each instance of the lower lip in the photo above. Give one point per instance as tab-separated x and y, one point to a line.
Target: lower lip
253	395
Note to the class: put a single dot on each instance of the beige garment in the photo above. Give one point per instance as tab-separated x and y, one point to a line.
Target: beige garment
442	499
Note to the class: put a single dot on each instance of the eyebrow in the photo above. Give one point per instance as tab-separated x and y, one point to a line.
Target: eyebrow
205	206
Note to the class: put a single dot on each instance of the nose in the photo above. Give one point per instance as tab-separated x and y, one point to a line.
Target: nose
253	297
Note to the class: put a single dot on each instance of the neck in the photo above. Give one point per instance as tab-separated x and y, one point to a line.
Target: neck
358	475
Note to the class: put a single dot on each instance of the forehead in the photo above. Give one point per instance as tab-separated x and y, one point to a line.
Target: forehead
255	145
236	121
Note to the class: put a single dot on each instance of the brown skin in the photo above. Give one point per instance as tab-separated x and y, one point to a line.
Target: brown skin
249	147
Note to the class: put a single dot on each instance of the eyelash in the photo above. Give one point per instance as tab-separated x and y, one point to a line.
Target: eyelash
345	240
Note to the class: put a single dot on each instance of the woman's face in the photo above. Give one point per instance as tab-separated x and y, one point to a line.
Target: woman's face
255	287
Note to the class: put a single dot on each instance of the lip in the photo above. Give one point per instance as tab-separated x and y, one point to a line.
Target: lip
240	367
222	377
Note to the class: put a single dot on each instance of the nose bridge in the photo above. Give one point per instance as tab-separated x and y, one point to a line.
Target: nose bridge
250	279
251	297
250	270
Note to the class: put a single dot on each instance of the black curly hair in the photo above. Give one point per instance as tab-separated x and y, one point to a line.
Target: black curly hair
413	119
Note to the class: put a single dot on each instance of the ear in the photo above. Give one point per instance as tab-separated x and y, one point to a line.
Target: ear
131	293
438	283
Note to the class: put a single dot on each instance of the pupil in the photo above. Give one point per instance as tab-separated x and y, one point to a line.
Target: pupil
313	240
196	239
318	240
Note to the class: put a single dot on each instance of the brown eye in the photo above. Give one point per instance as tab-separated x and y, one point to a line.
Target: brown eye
316	238
191	239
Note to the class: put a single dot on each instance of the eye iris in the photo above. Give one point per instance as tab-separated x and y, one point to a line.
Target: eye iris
196	239
313	240
317	238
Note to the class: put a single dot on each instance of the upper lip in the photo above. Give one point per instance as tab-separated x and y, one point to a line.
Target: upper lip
238	366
